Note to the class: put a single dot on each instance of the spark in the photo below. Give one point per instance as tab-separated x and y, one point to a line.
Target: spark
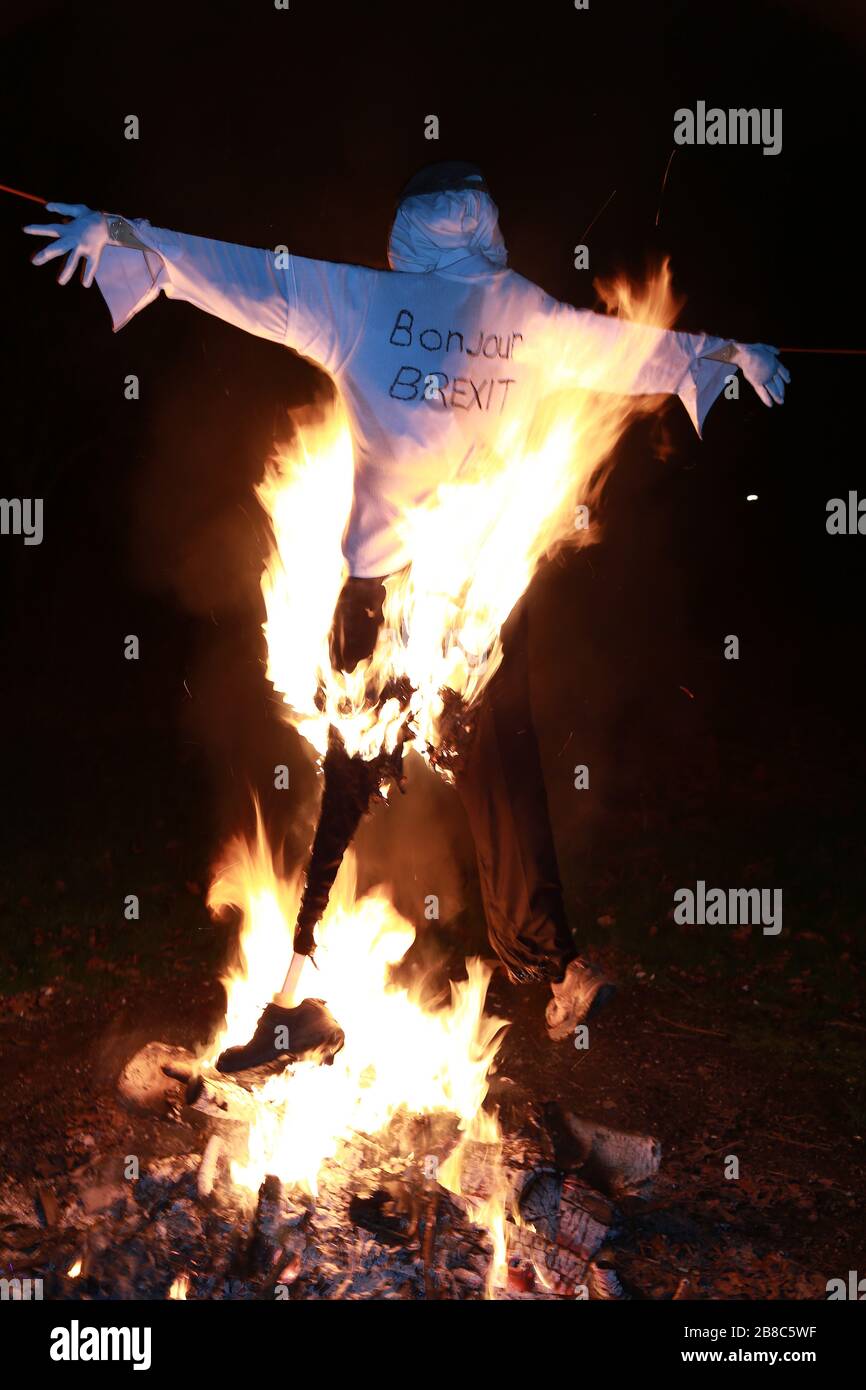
664	185
595	219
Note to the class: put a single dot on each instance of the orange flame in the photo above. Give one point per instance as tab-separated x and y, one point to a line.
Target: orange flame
399	1052
475	546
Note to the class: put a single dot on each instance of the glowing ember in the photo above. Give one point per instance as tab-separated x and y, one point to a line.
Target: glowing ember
180	1287
74	1270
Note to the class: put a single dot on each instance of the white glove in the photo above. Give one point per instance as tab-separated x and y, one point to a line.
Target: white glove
763	371
85	235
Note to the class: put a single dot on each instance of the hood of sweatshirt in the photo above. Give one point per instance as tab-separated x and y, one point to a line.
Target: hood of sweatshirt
438	231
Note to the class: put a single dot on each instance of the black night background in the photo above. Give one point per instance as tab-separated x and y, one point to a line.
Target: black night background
261	127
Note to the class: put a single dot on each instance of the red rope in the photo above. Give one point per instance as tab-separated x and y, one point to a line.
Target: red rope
830	352
827	352
4	188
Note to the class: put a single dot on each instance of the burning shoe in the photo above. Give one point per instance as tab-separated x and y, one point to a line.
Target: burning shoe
306	1032
578	996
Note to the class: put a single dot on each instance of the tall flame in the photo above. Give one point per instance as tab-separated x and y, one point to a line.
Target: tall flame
475	546
400	1052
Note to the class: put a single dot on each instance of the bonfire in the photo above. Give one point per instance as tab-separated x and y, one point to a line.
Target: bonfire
475	548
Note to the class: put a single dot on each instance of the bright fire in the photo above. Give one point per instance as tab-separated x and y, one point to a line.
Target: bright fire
400	1052
475	547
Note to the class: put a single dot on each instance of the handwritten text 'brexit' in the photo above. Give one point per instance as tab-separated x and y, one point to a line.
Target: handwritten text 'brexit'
413	383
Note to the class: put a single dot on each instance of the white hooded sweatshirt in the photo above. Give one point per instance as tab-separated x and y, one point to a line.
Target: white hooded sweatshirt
430	357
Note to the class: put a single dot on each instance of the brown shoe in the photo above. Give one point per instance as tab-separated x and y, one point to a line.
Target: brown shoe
582	992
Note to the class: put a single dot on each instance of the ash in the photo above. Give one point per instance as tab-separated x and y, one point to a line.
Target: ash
380	1226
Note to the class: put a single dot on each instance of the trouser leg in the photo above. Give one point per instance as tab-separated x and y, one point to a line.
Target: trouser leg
348	782
357	619
501	785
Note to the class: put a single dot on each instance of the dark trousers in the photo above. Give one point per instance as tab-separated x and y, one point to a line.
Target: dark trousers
501	786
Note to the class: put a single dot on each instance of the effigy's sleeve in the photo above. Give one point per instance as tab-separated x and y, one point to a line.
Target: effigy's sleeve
602	352
240	284
316	307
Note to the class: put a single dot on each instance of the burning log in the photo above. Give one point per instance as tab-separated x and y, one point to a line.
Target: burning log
428	1243
264	1249
585	1219
393	1214
430	1137
160	1074
149	1081
556	1268
566	1212
380	1226
278	1238
564	1225
564	1228
613	1161
211	1095
479	1171
604	1281
206	1176
521	1275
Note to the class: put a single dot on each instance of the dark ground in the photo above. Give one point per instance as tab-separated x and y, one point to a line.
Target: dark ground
721	1042
126	777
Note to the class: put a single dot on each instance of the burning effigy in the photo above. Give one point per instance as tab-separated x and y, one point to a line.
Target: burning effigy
393	1058
475	547
474	426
